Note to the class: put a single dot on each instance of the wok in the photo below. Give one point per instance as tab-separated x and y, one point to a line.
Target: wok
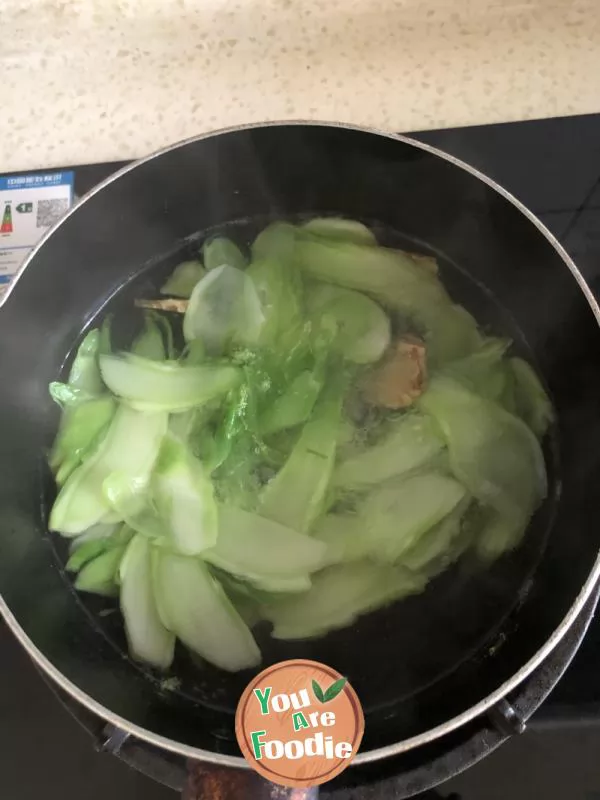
429	664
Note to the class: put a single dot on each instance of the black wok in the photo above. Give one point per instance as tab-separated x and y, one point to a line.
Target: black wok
427	665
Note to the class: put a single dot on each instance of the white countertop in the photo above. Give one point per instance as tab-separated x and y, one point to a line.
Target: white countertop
86	80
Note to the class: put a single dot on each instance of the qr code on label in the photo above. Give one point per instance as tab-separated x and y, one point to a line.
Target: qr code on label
50	211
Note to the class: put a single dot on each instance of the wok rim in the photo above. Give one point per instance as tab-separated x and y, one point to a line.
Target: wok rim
404	745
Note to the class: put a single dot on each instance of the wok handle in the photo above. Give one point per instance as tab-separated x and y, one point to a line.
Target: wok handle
211	782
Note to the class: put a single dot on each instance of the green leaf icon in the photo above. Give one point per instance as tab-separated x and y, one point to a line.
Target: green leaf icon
334	690
318	692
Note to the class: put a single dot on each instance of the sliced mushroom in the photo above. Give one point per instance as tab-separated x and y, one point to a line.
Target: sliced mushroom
401	377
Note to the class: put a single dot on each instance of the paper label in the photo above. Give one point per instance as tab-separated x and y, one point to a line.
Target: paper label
299	723
29	205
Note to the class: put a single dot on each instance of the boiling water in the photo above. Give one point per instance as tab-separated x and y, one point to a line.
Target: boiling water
392	655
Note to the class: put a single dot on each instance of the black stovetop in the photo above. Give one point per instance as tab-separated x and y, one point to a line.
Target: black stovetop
553	166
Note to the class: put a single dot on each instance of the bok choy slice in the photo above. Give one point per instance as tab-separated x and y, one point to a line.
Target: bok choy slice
165	386
95	541
395	516
340	229
221	251
398	282
184	499
255	548
193	605
296	495
224	308
339	594
148	638
80	429
406	444
533	404
149	344
493	453
129	448
183	279
362	328
84	375
99	575
279	289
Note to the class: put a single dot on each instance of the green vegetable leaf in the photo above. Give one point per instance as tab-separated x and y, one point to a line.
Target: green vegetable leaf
361	328
533	404
184	499
276	241
194	606
279	288
84	374
318	692
484	371
155	342
340	229
105	338
295	404
441	545
335	688
399	283
296	495
258	549
224	308
194	353
84	382
395	516
148	638
129	447
183	279
493	453
219	251
87	552
149	343
407	443
80	430
165	386
338	595
99	575
67	396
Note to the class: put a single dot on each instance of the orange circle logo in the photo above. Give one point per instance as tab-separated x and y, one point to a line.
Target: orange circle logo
299	723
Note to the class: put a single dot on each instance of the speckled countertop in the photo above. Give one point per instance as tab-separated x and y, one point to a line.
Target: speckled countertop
90	80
